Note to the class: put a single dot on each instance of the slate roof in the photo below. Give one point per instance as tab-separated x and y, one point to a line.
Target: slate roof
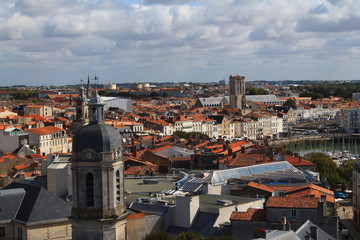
40	205
99	137
24	148
10	200
148	208
292	202
175	152
279	235
203	223
304	231
212	101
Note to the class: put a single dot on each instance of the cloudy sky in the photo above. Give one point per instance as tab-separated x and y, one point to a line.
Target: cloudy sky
58	42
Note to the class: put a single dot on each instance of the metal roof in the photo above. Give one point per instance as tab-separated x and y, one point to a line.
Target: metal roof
221	176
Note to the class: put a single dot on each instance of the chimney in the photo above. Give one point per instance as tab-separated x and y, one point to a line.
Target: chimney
230	152
44	166
314	232
259	233
21	176
285	224
323	200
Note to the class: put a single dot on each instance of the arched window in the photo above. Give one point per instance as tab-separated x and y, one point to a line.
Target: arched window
89	190
118	197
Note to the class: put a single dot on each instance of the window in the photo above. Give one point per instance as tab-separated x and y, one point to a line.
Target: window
2	232
89	190
293	213
118	197
20	235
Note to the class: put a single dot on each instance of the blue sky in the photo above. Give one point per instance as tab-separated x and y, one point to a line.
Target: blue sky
61	41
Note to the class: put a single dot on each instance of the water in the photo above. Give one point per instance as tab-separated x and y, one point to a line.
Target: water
324	146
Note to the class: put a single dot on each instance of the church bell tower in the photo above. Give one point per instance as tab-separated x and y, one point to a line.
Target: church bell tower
237	92
82	111
98	181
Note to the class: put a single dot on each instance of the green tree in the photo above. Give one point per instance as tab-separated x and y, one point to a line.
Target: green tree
22	94
257	91
189	235
157	236
345	171
325	166
154	94
181	134
290	103
220	238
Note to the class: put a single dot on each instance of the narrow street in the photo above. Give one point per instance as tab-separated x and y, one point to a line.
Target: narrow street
345	213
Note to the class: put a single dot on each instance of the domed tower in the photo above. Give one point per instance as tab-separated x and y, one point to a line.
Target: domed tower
98	182
82	112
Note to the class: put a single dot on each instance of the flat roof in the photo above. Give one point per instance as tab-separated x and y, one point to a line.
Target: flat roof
134	185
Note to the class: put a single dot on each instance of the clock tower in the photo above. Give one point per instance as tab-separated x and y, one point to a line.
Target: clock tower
98	181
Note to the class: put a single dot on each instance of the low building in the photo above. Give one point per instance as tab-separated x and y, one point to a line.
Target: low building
33	213
49	140
12	137
40	110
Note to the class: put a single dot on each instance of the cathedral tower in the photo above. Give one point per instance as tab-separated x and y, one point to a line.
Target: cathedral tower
98	182
237	91
82	112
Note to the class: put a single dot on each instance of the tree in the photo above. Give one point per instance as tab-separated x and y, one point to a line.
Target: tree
189	235
220	238
181	134
156	236
290	103
345	171
325	166
154	94
257	91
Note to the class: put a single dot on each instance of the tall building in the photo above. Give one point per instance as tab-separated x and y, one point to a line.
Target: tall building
237	91
356	193
98	182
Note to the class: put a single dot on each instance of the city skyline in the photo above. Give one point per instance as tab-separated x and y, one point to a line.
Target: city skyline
62	41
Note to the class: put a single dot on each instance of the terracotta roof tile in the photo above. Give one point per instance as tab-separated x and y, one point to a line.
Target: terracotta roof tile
161	148
252	214
260	186
295	161
45	130
292	202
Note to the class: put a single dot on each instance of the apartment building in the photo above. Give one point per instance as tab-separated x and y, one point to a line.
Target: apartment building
49	140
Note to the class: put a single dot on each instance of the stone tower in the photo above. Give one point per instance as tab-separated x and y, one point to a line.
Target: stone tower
237	91
82	112
98	182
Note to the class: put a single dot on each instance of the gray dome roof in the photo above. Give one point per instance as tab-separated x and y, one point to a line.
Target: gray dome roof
99	137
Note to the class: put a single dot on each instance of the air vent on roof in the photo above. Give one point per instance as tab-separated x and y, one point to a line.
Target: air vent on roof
224	202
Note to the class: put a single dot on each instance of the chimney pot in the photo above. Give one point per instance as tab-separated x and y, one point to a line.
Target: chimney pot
314	232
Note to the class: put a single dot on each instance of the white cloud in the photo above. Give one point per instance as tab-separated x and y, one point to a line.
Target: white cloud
193	38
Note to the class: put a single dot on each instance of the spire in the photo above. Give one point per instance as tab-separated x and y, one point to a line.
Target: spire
96	105
88	91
